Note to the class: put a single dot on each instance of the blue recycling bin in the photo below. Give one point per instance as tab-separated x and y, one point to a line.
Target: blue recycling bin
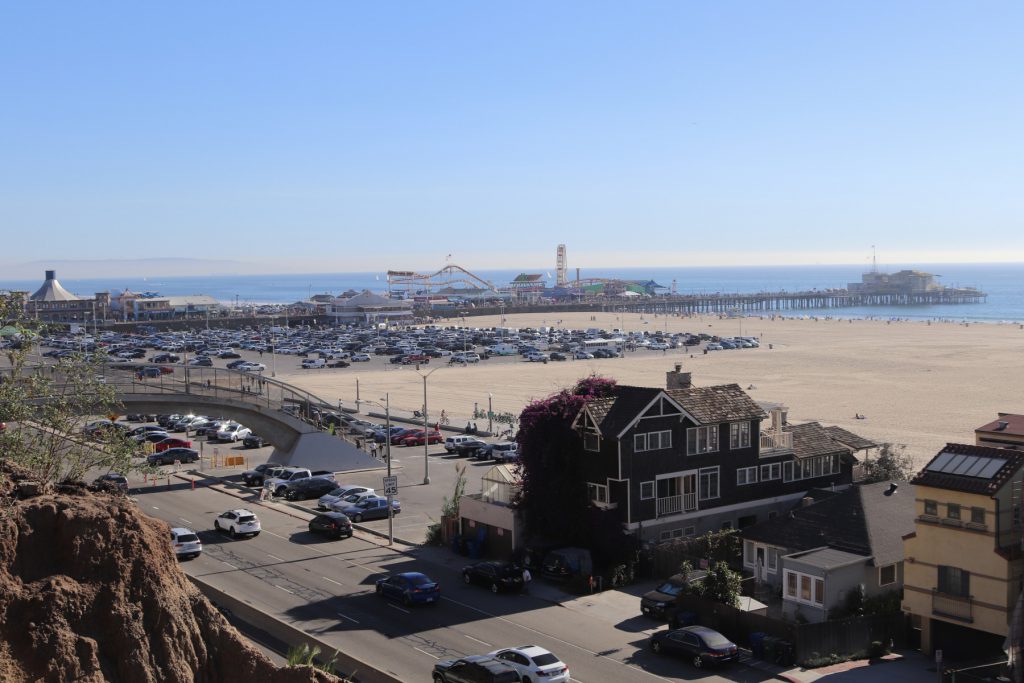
757	644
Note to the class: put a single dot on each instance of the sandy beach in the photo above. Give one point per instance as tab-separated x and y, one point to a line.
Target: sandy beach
917	383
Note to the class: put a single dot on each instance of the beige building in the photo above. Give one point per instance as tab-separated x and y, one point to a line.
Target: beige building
1005	432
963	561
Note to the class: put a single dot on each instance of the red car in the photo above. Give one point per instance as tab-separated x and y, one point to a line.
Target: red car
172	442
418	438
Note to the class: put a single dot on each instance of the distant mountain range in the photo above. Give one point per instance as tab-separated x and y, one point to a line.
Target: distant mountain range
144	267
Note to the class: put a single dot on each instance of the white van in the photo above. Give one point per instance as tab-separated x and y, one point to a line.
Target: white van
452	441
311	363
503	349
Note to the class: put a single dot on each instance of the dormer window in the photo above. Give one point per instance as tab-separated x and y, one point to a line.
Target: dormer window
591	441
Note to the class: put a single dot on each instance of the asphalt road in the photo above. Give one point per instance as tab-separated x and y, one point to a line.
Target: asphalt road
327	588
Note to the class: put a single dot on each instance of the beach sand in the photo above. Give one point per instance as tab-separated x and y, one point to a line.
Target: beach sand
918	384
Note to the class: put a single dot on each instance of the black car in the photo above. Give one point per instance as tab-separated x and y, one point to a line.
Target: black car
397	360
252	441
474	669
698	644
201	362
469	447
112	481
229	354
166	421
333	524
164	358
139	417
555	355
233	365
169	456
605	353
498	576
304	489
255	476
210	429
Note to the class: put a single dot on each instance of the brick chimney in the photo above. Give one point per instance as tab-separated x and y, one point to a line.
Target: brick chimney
677	379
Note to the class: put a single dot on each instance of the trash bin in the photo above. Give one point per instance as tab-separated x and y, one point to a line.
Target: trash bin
768	647
757	644
784	653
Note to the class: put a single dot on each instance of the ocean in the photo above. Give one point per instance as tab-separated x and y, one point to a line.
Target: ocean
1003	282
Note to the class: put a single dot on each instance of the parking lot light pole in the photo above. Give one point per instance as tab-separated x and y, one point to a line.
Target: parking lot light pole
426	433
387	435
490	414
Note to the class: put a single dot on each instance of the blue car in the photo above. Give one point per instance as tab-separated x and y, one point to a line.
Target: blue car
410	587
371	507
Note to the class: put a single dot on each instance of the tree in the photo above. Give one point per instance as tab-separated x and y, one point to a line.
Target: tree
44	406
721	585
892	464
554	496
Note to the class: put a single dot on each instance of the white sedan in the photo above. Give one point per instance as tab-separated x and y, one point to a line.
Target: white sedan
583	355
534	664
360	358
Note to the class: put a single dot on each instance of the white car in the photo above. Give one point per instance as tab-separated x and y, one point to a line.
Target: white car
312	363
233	431
583	355
186	543
239	522
343	490
658	346
252	367
360	357
537	357
534	664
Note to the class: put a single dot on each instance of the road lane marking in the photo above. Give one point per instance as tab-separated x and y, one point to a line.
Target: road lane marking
345	616
479	641
284	589
425	652
275	557
155	507
275	535
186	520
230	565
399	608
332	581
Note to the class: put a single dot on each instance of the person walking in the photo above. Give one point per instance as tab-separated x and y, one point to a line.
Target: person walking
527	578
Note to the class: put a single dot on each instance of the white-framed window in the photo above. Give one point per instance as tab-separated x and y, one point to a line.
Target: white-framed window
688	531
749	554
598	493
739	435
771	471
811	468
591	441
652	441
773	560
746	475
646	490
887	575
804	588
707	483
702	440
669	534
787	471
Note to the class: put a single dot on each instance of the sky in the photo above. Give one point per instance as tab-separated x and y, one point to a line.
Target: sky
336	136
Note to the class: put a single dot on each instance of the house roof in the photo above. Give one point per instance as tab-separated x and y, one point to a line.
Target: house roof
934	476
868	520
1014	424
811	439
848	438
828	558
721	403
613	413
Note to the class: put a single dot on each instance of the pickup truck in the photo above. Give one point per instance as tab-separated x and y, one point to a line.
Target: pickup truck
279	483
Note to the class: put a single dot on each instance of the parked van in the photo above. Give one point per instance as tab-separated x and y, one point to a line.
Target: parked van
314	363
503	349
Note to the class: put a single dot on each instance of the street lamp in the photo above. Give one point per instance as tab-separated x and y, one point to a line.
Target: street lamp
490	414
387	440
426	433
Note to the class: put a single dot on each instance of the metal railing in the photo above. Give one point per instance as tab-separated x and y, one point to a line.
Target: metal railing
957	607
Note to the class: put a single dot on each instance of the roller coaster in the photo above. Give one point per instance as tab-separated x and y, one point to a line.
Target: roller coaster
408	282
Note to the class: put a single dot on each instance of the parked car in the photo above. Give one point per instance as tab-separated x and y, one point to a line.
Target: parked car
172	442
186	543
210	429
340	492
140	417
151	437
164	358
498	576
698	644
474	669
350	500
409	587
229	354
661	603
564	563
252	367
360	358
311	363
145	429
534	663
420	437
452	442
110	480
202	362
467	448
333	524
372	507
171	455
583	355
304	489
605	353
232	432
238	522
252	441
498	451
254	477
557	355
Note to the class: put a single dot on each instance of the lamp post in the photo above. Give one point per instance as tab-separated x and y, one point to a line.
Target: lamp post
273	355
387	440
426	436
490	414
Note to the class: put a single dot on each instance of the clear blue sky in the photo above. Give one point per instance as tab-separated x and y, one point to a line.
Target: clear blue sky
339	136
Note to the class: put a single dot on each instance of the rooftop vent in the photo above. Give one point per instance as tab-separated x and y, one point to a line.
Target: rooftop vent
1003	424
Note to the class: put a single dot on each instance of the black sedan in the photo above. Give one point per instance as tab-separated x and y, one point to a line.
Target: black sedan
304	489
253	441
469	447
698	644
333	524
498	576
555	355
172	455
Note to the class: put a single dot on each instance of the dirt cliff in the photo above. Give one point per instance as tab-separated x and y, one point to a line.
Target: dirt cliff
91	591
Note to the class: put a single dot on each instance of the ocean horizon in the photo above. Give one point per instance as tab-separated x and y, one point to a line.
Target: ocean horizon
1004	284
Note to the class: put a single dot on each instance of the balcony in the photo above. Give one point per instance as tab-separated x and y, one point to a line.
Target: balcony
952	606
670	505
776	443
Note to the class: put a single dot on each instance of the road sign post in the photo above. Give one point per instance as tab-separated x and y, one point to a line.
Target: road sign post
391	486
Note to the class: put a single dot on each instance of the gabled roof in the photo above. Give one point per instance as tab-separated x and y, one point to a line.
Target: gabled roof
811	439
722	403
613	413
1011	462
848	438
868	520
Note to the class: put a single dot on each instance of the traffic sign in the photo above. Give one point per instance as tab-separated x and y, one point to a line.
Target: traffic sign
391	485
